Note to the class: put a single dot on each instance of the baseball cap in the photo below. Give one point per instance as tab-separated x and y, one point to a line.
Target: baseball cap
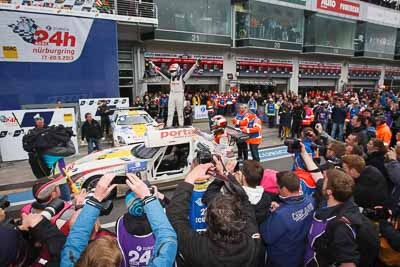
43	188
37	117
134	204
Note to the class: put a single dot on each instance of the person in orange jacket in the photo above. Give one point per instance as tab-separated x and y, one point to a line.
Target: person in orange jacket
240	121
254	130
309	118
383	131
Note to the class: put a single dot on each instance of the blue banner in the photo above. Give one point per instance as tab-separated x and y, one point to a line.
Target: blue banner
93	75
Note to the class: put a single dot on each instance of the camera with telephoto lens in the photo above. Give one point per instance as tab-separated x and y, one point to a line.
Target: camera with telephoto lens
204	156
377	213
4	203
293	145
53	208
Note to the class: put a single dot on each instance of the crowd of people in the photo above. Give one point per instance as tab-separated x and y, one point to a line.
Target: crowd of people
338	206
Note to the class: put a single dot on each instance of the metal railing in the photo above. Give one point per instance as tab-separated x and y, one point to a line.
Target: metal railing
135	9
120	10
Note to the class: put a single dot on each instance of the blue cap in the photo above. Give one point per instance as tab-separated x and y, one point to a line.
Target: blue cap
134	205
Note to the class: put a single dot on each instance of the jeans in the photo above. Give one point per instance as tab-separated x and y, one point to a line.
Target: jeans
65	191
324	125
335	127
93	142
254	152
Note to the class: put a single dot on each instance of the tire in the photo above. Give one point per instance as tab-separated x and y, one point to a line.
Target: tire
90	185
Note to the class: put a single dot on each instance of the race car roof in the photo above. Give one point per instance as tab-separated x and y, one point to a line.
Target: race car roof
167	137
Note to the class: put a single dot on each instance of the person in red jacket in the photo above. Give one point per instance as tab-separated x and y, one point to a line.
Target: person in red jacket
254	130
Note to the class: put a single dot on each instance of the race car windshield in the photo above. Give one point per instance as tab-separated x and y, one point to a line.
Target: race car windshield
142	152
130	120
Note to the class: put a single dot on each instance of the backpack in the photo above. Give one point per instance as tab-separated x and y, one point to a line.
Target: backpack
367	238
321	232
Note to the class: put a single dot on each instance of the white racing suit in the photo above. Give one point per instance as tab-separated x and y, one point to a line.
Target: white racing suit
222	144
176	94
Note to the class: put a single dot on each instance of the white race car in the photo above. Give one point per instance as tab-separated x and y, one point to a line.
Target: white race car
164	157
129	126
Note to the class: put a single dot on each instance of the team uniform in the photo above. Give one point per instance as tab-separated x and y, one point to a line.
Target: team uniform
254	130
177	87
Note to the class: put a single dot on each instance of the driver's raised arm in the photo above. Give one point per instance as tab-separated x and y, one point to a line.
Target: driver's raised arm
189	73
158	70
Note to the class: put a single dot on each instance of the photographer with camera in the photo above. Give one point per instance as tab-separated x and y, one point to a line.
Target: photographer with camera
308	139
231	238
45	192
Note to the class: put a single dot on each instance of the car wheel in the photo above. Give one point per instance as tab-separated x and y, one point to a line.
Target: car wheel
90	184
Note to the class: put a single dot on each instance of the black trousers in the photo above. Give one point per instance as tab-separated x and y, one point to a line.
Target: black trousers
254	152
105	125
243	151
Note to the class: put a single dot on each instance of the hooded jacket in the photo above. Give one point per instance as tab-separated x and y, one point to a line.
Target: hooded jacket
339	246
260	201
370	188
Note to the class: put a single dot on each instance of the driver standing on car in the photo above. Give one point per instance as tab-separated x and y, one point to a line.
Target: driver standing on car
177	79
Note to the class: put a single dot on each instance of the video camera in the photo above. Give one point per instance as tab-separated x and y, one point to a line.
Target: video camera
293	145
332	163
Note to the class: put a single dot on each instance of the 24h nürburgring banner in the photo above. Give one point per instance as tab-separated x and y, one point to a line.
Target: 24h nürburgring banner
31	37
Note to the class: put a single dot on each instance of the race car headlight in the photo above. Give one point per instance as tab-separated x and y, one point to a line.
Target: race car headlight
121	140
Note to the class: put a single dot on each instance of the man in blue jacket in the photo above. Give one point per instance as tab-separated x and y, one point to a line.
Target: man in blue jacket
165	247
285	230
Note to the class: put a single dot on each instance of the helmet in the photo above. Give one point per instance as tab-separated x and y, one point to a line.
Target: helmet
218	122
174	69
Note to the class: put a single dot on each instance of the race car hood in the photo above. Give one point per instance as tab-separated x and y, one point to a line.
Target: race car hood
132	133
118	158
